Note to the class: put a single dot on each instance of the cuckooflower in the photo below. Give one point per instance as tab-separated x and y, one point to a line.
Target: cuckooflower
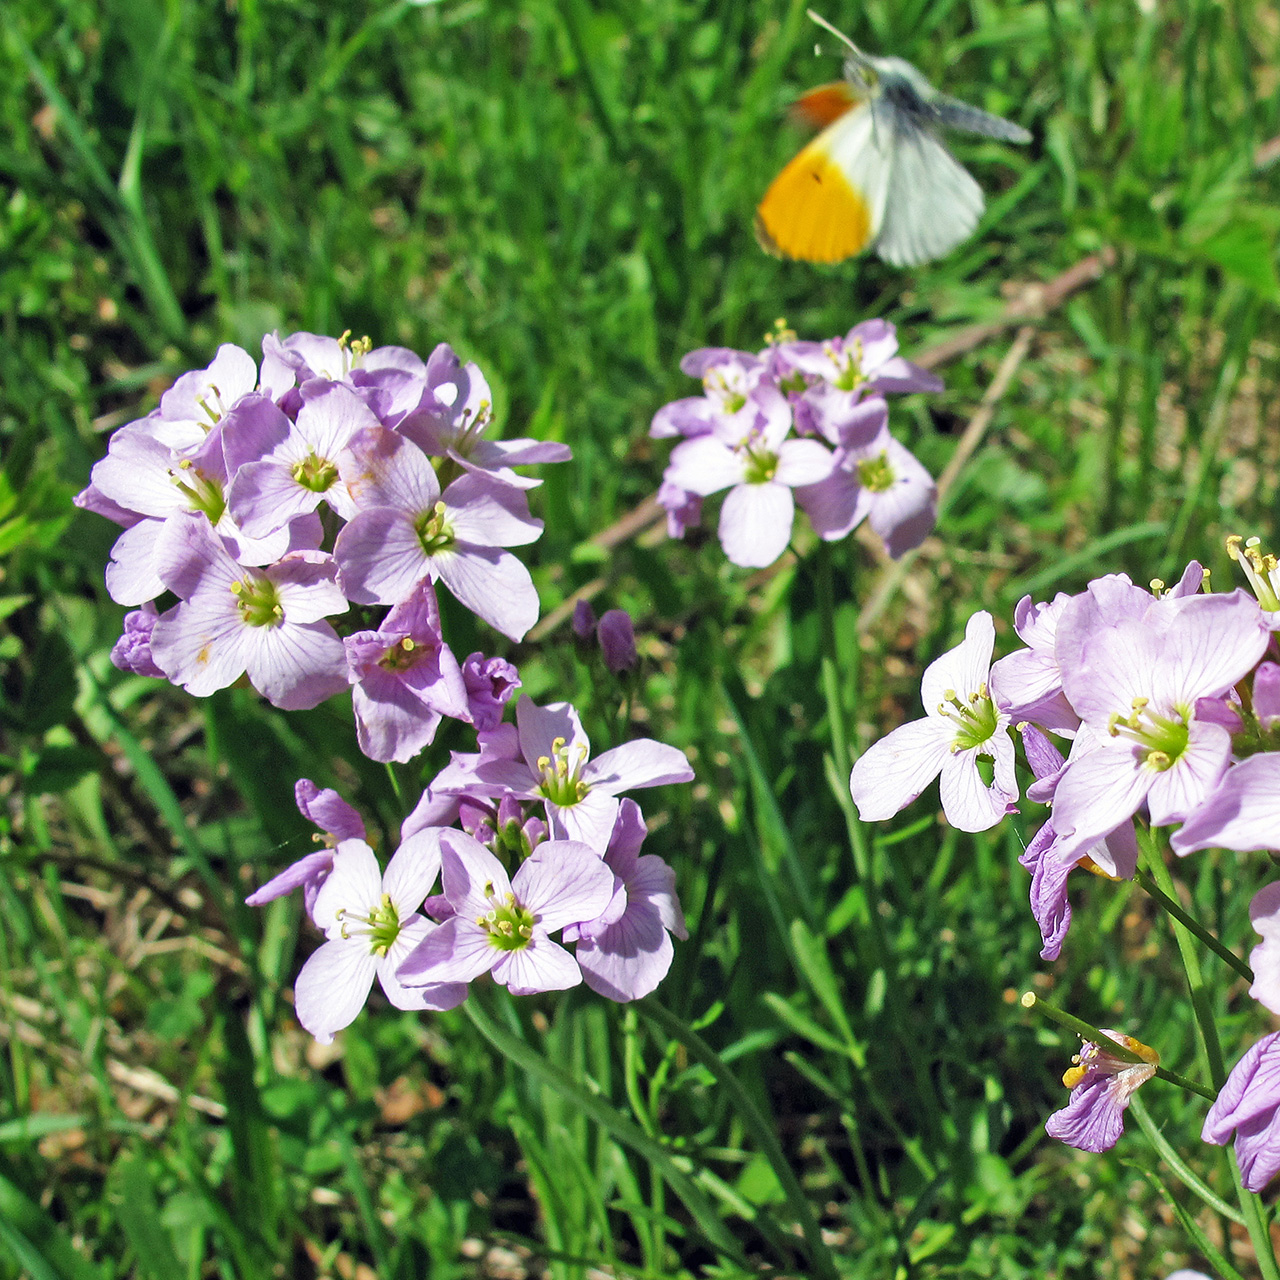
962	722
1241	813
372	924
1101	1085
504	925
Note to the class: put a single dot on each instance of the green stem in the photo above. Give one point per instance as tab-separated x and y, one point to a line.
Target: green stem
1191	964
1095	1035
615	1124
766	1138
1172	906
1255	1221
1179	1166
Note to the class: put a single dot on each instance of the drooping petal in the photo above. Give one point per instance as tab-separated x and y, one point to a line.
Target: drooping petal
970	805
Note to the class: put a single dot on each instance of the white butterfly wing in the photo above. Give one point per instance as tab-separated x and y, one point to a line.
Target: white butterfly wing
932	203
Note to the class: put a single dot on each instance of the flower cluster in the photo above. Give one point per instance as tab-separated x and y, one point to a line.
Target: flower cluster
799	422
1169	699
268	499
528	837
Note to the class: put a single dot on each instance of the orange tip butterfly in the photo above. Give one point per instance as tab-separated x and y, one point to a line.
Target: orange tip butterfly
878	175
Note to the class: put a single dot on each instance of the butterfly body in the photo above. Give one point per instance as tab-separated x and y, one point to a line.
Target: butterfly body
878	175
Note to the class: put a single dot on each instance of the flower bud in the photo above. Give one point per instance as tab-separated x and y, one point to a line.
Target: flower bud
617	640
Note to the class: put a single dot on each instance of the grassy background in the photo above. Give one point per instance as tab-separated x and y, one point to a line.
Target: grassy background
564	192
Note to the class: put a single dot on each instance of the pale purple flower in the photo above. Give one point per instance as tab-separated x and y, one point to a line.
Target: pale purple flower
1241	813
505	925
729	378
1148	690
372	925
1249	1105
962	722
490	683
617	640
1101	1085
405	679
234	619
289	468
406	530
874	479
580	794
132	652
760	467
452	426
843	370
440	807
627	951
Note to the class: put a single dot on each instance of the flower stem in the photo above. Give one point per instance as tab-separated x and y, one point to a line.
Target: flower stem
1172	906
1114	1048
822	1262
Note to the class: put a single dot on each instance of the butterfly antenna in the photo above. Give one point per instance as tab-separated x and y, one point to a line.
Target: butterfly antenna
839	35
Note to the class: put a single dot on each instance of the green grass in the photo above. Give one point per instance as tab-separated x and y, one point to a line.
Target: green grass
564	192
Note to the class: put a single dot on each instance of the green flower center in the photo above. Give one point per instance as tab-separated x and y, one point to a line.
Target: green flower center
876	474
975	718
762	466
258	600
715	384
560	782
202	492
434	531
849	376
403	655
381	926
508	924
1162	739
315	473
792	383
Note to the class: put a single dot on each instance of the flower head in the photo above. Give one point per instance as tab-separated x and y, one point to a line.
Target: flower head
962	722
1249	1106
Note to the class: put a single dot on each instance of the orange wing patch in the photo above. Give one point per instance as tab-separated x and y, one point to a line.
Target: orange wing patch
825	104
812	211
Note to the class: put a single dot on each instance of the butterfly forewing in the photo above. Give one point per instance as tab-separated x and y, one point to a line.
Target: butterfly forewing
828	203
955	114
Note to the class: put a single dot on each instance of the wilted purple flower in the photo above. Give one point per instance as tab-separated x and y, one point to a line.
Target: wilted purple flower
874	479
1101	1085
132	652
580	794
1148	690
1248	1104
627	951
505	925
617	640
372	924
490	682
1241	813
234	619
405	679
962	722
760	467
406	530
